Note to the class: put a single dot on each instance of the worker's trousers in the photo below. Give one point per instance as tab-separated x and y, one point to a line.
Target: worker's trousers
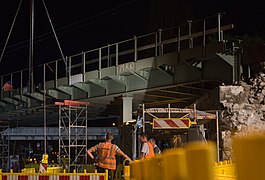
110	172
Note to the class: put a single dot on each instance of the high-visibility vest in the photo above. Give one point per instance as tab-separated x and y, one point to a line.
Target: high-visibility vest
106	155
151	150
8	87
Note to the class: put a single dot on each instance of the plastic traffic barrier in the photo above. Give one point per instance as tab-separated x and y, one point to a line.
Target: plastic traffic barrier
225	170
136	170
200	159
126	170
249	154
152	168
174	165
195	162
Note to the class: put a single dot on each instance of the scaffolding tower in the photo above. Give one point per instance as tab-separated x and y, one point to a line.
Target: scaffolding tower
72	135
4	147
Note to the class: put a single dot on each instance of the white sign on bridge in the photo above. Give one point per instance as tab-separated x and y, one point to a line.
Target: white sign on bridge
127	67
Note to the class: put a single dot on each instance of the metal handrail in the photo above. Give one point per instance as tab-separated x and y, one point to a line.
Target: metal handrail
156	44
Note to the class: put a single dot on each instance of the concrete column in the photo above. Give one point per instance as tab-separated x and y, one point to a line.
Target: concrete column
127	109
125	130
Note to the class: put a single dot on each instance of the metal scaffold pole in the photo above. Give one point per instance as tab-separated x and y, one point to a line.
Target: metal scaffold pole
217	137
44	110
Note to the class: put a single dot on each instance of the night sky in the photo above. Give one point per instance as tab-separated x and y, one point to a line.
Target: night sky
85	24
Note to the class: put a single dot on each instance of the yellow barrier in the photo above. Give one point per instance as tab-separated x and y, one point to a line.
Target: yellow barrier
249	153
200	159
135	170
54	170
195	162
225	170
28	170
174	165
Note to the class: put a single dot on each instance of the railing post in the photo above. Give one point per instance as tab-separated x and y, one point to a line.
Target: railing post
179	39
66	67
156	44
11	80
70	70
99	63
204	38
135	49
109	55
190	29
219	27
117	54
117	57
56	73
84	65
21	83
160	41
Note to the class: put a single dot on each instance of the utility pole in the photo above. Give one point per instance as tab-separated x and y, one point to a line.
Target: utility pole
31	46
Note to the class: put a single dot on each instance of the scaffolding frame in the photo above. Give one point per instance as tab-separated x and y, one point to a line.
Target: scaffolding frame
72	136
4	147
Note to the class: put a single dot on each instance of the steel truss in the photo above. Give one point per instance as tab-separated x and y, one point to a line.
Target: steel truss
4	147
72	136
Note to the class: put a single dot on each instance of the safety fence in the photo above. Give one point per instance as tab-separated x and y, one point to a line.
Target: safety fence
54	176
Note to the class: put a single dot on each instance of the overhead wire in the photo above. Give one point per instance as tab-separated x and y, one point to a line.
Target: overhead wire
72	26
53	30
10	31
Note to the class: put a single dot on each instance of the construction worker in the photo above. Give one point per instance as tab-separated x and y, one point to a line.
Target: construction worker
156	148
147	148
106	155
8	86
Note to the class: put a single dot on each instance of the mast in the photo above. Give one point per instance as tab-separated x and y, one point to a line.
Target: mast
31	46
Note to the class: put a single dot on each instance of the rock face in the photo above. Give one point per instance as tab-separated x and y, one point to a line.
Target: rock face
244	110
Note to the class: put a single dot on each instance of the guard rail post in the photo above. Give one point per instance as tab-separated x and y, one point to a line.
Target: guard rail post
135	49
190	32
99	63
84	65
219	26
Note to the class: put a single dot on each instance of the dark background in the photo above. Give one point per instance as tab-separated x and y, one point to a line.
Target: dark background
85	24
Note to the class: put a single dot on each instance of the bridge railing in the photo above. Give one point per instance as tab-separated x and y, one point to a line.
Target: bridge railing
162	41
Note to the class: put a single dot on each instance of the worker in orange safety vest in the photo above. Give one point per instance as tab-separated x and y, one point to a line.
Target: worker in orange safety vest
106	154
147	150
8	86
